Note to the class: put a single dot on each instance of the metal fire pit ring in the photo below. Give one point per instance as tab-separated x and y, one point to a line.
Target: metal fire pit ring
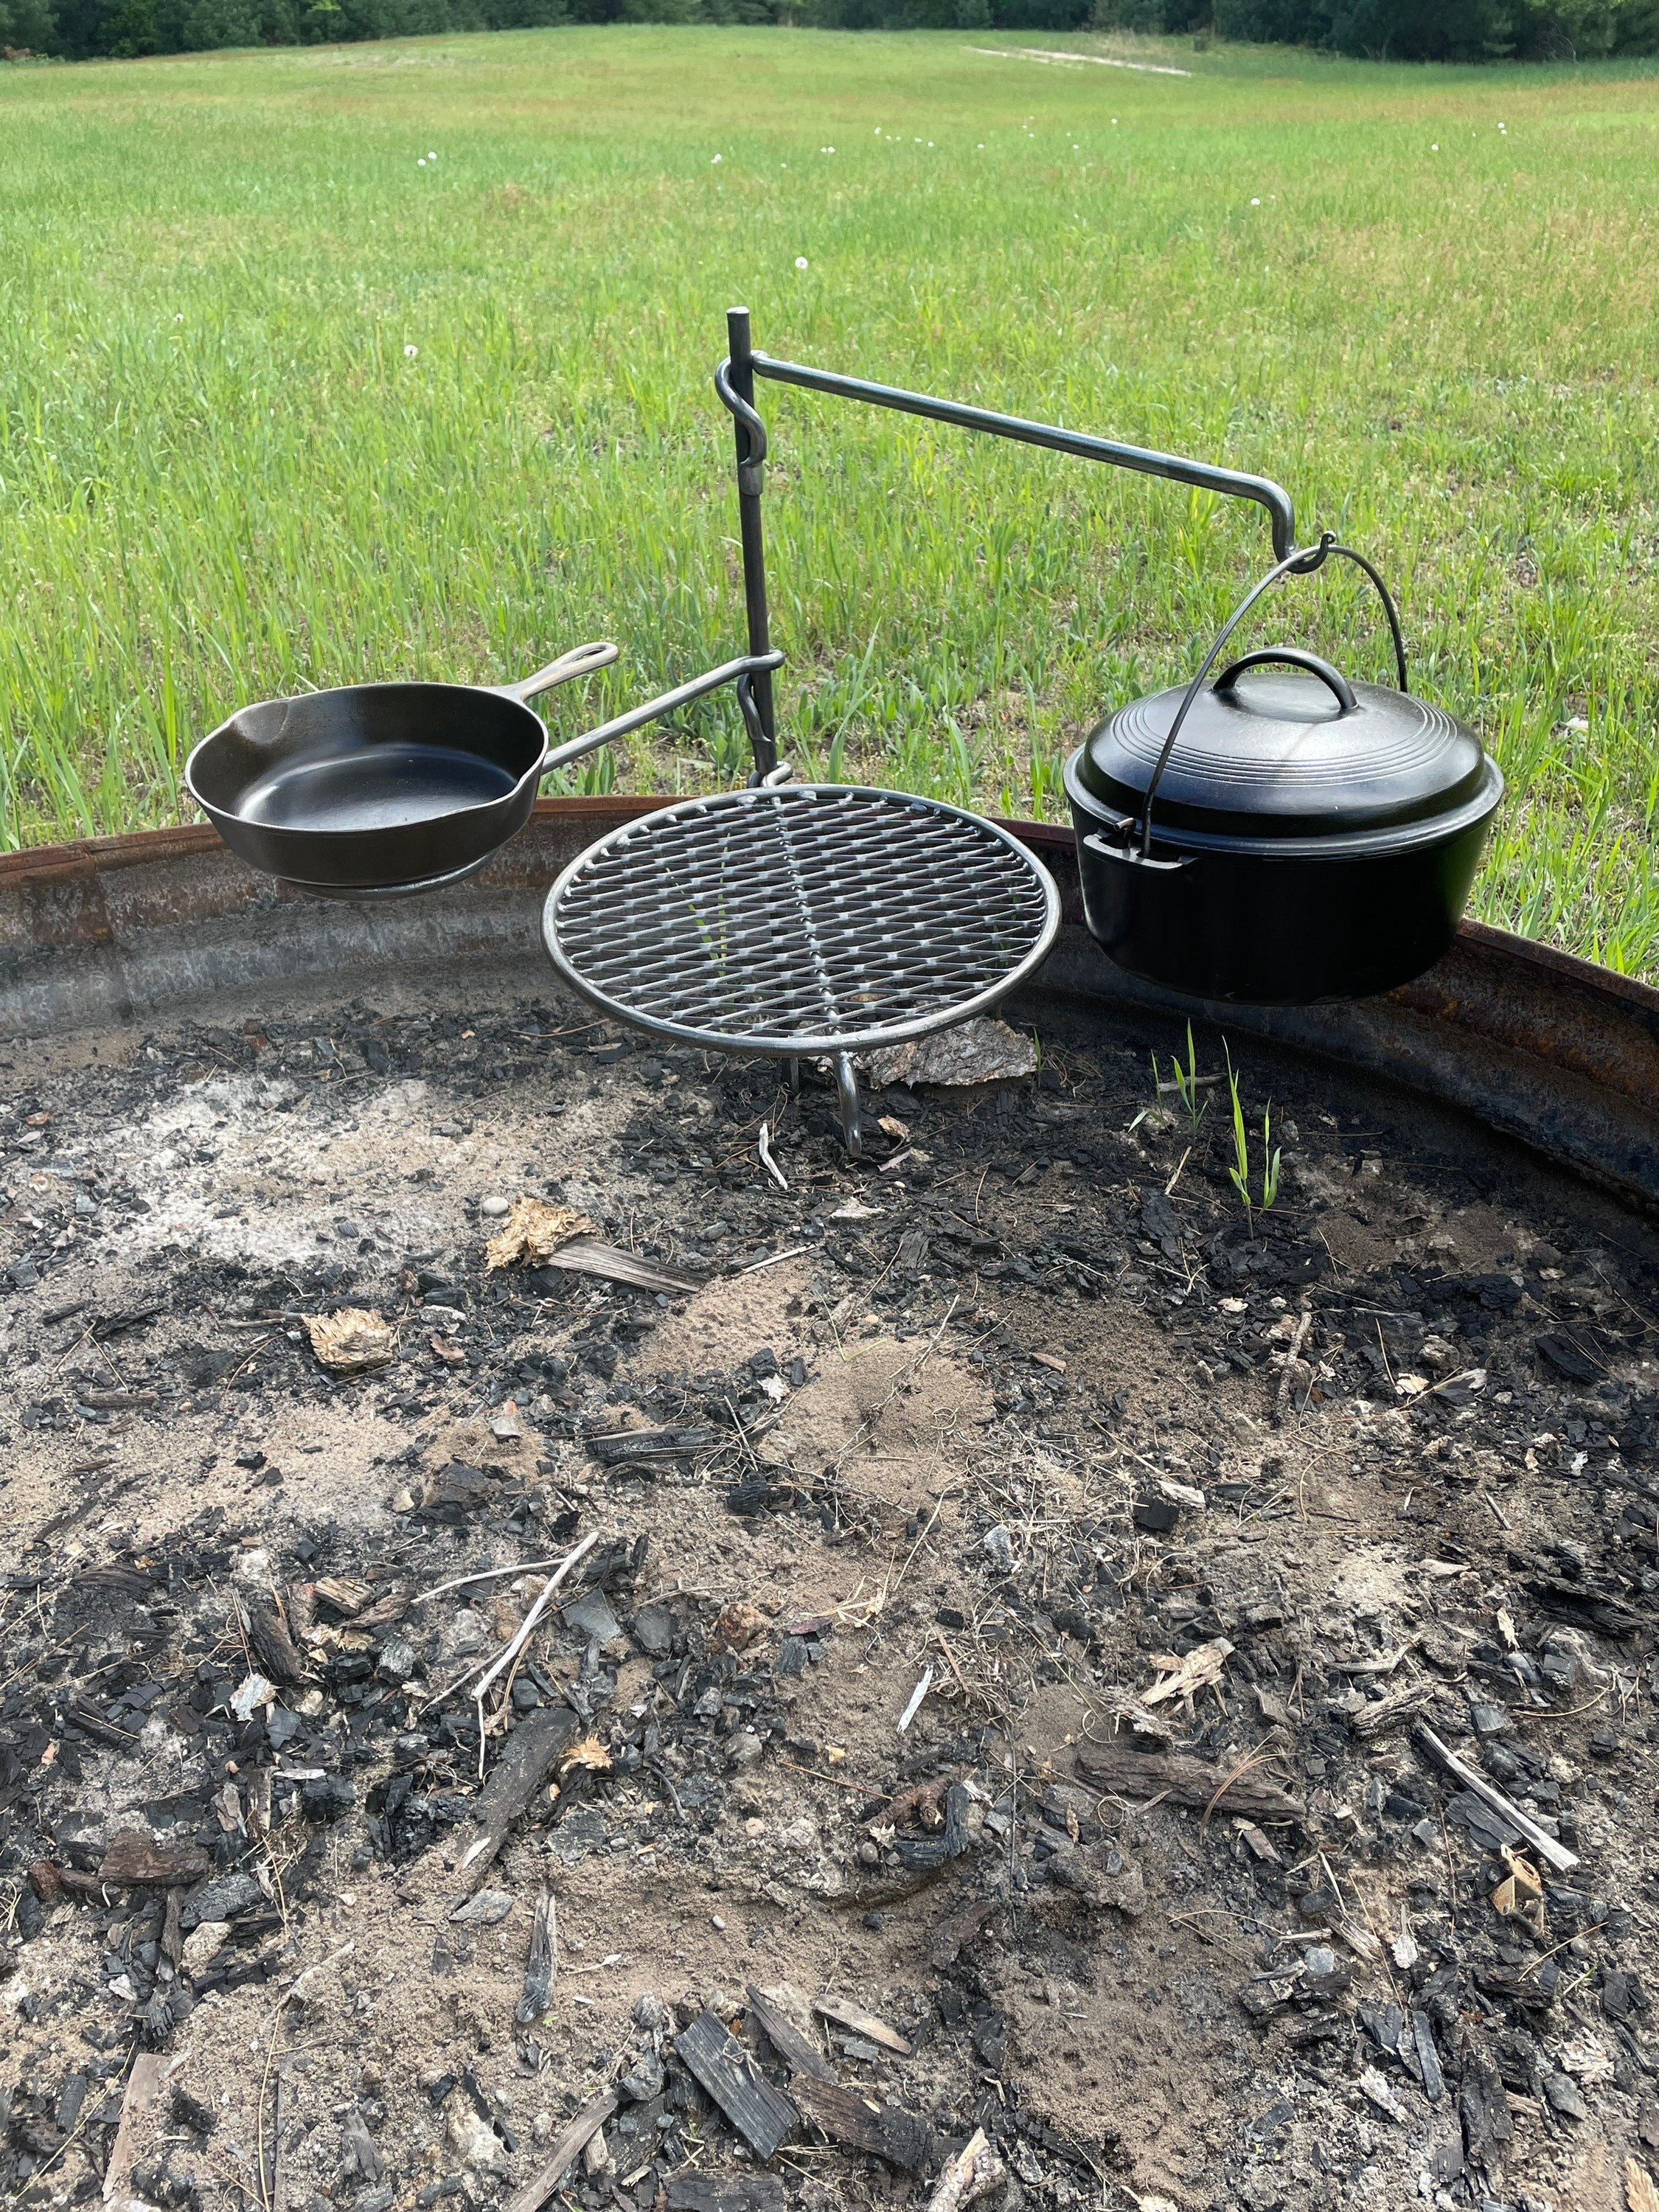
806	921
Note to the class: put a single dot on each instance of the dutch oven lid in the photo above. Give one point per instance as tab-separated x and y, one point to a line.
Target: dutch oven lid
1283	745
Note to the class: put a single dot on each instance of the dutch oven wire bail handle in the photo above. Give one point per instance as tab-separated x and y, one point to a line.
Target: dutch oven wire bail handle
1303	561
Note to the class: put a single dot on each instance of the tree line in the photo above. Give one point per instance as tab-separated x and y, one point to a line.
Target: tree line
1397	30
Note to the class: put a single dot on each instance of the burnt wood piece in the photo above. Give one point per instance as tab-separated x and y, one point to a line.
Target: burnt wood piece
854	2019
650	1444
1189	1781
799	2056
539	1967
725	2192
571	2144
86	1717
454	1491
132	1856
1585	1606
890	2134
355	2138
270	1643
950	1935
760	2113
590	1255
1541	1841
173	1933
529	1757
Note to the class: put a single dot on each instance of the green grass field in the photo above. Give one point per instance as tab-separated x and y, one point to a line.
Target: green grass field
281	407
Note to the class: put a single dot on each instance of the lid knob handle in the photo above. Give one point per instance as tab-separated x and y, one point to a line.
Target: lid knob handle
1291	656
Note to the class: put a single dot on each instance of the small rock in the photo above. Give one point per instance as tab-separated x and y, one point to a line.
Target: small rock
486	1909
1000	1546
1374	2086
597	2159
472	2140
494	1207
203	1945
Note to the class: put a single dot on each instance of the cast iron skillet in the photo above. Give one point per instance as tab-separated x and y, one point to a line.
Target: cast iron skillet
379	787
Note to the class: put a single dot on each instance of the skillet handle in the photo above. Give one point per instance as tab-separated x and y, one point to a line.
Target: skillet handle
667	702
580	661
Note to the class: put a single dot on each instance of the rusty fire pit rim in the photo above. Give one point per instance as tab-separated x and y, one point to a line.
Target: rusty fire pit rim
36	867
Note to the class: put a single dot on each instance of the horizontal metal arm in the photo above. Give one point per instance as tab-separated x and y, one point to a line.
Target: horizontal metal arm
667	702
1201	475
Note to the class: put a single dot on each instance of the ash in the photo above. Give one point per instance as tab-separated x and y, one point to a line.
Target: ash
1023	1607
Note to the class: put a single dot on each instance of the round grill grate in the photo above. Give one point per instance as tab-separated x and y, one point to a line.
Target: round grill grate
803	920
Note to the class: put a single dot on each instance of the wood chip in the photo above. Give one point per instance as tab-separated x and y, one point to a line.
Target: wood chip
725	2192
630	1444
1377	1716
1183	1678
1640	2193
760	2113
846	2013
144	2087
588	1255
948	1938
542	1965
571	2144
530	1755
346	1594
1119	1767
132	1856
973	2173
271	1645
1559	1856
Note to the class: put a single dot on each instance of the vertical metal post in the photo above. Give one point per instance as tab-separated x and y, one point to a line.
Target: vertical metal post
765	739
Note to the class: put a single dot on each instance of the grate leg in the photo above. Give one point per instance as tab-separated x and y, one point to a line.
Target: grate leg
846	1087
791	1076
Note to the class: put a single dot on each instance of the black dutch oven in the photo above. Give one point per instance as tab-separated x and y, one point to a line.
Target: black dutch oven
1313	838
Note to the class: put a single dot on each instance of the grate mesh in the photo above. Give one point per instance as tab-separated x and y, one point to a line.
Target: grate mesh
811	917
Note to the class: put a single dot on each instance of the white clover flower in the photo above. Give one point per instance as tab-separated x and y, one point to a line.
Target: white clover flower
801	261
410	352
719	157
420	160
1434	150
1255	203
